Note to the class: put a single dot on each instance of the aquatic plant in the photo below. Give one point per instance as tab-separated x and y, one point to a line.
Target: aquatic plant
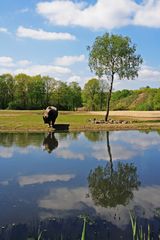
138	232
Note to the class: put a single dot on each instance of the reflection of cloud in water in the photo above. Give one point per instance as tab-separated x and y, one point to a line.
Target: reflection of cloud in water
6	152
10	151
63	151
137	139
4	183
125	145
67	154
118	152
64	199
37	179
63	144
148	198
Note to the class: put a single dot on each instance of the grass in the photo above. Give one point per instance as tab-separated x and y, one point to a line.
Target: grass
13	120
138	232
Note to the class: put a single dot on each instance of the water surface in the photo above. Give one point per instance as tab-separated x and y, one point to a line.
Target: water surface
52	179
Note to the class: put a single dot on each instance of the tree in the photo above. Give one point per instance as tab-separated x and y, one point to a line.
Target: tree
50	85
111	56
21	91
62	96
6	90
75	91
91	94
110	187
36	92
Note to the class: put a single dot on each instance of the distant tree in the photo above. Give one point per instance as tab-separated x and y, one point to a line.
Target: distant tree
21	91
62	96
36	92
76	99
91	94
112	55
50	85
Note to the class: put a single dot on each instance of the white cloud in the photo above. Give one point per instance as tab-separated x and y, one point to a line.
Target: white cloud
118	152
3	30
146	198
43	70
66	154
25	66
69	60
24	63
103	14
6	62
147	76
37	179
43	35
65	199
148	14
6	152
149	73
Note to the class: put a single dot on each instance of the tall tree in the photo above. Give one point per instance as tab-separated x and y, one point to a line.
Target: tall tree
112	55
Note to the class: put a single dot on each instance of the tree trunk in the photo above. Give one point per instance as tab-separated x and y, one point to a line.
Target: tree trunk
110	154
109	97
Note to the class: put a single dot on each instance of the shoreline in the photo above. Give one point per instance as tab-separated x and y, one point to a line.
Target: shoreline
91	127
31	121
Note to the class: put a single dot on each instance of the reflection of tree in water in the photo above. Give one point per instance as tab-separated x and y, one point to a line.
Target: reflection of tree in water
94	136
21	139
111	187
50	142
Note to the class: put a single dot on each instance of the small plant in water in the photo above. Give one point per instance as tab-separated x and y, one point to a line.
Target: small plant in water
138	232
86	220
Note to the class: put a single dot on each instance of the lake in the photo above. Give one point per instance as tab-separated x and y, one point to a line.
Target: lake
50	183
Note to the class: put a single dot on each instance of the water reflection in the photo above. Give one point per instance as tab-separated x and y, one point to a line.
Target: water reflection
50	142
35	184
111	187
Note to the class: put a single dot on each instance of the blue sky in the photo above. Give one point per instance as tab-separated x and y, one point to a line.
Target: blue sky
51	37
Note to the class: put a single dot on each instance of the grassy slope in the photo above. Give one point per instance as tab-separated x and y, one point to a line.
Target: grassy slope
32	121
142	99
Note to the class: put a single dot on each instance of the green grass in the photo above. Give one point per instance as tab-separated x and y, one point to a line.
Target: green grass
13	120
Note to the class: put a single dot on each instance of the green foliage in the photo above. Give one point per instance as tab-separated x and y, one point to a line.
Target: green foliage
112	55
93	96
121	94
144	99
37	92
110	188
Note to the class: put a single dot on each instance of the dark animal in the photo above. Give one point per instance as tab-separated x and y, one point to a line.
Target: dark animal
50	142
50	115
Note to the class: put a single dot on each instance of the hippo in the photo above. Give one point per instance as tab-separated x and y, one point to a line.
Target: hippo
50	115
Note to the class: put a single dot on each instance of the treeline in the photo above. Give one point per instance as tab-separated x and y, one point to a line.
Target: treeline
36	92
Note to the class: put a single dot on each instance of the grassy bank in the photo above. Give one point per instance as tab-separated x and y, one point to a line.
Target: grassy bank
32	120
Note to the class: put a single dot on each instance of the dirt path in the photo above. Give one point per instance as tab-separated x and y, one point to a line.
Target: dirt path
141	115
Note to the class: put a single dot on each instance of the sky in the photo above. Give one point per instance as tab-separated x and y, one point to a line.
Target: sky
50	37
